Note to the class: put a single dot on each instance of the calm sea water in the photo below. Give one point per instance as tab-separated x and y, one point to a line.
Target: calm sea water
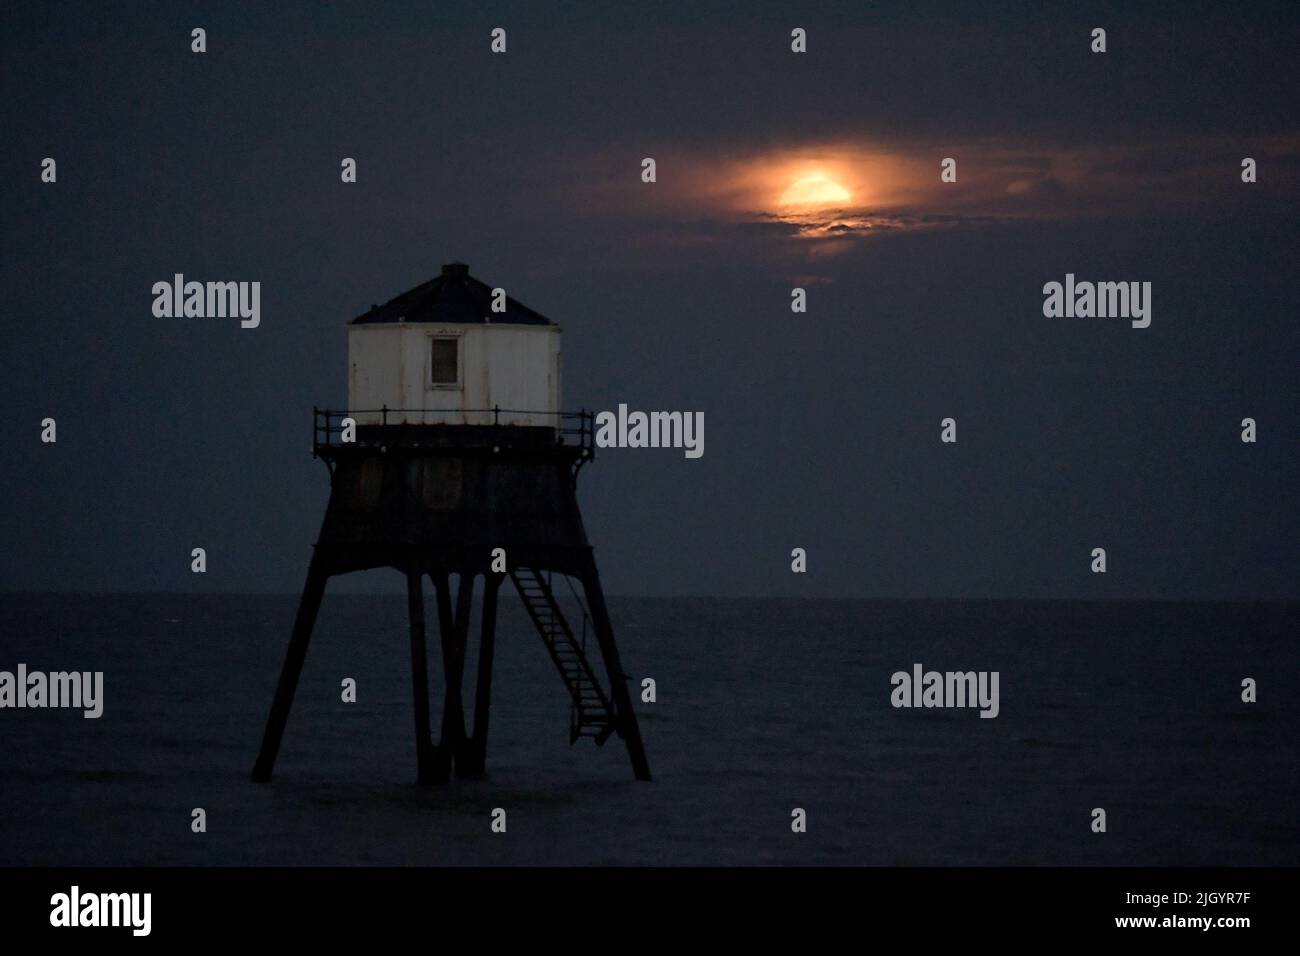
763	706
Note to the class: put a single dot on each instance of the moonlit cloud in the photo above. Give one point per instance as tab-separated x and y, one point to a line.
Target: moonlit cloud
830	193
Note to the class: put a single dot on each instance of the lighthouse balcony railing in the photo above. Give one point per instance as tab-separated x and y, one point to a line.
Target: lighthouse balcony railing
378	426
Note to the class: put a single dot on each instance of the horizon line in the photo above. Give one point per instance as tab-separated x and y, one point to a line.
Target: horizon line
1237	599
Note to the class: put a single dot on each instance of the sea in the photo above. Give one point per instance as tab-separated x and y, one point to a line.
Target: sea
762	708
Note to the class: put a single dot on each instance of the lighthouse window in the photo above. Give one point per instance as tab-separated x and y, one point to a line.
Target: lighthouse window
444	363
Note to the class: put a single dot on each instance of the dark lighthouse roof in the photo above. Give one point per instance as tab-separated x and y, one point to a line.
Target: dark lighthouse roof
453	296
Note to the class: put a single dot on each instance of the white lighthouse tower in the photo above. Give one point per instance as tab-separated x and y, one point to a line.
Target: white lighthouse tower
454	460
454	351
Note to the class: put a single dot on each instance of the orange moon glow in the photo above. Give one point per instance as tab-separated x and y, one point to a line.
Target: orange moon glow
814	191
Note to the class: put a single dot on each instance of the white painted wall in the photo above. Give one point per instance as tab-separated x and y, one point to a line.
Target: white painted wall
512	366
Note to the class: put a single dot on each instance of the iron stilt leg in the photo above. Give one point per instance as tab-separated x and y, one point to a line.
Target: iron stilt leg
474	760
627	725
424	752
453	710
312	593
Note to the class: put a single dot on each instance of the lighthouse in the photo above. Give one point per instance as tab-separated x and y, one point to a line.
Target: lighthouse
454	460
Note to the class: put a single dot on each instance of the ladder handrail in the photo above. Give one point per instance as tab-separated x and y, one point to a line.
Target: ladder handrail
582	607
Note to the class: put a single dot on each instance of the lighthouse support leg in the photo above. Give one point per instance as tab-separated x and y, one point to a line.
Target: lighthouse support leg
626	717
312	593
453	709
473	762
424	752
464	606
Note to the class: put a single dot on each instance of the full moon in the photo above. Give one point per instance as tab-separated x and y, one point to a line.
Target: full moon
814	191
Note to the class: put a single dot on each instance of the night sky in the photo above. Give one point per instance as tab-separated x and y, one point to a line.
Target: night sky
822	429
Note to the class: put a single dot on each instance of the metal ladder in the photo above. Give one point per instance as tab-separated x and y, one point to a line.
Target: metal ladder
591	713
